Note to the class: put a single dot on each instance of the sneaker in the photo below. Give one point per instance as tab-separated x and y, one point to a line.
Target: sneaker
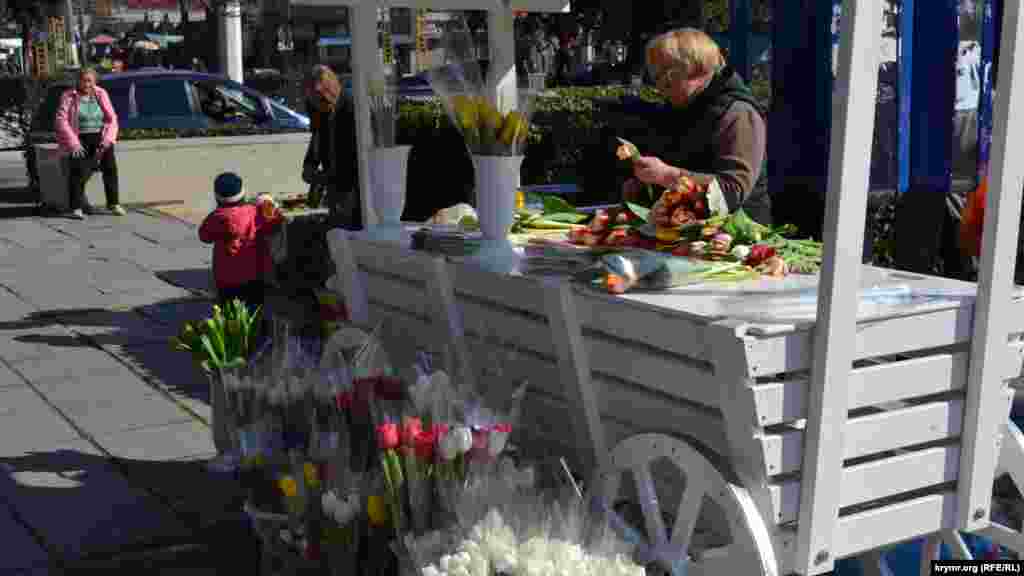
117	210
89	210
77	214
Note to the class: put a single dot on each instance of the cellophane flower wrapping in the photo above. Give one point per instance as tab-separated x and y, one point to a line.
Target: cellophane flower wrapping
513	529
383	96
490	125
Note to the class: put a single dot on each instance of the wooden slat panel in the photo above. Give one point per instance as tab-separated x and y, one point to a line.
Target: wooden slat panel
672	376
875	480
393	260
871	434
792	352
516	292
395	293
858	533
617	400
625	320
416	334
784	401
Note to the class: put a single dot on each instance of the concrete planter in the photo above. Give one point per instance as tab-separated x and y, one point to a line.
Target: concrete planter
165	171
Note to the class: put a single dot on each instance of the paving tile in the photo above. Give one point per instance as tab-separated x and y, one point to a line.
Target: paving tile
78	359
129	300
29	232
12	307
20	341
21	552
27	423
160	443
9	379
173	371
111	402
164	231
80	504
174	313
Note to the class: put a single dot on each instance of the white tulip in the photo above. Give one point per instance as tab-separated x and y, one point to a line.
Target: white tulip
463	438
446	563
432	571
496	441
448	446
740	252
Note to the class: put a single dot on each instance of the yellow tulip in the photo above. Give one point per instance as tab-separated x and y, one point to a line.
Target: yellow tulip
667	234
288	486
377	510
312	478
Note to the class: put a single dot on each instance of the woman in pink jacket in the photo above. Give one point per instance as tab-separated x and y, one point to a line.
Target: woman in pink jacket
87	129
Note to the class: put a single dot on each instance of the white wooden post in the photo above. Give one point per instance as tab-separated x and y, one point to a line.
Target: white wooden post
982	414
231	40
853	126
365	48
501	75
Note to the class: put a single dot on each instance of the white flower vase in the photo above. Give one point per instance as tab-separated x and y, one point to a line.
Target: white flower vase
497	178
388	169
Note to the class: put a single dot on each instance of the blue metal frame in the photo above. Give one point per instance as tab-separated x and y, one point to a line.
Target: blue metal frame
991	25
905	89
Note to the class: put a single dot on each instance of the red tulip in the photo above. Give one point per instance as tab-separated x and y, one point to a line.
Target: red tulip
506	428
424	442
480	439
410	428
344	400
390	388
387	436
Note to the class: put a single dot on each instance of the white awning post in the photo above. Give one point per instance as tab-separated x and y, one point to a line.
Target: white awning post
834	332
501	77
365	63
231	40
983	418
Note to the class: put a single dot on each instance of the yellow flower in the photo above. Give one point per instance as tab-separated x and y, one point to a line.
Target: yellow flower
312	478
377	509
254	461
288	486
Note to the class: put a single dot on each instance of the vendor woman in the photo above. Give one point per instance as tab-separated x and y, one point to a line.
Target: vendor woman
718	127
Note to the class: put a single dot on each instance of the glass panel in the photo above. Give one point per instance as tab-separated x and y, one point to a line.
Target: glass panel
162	99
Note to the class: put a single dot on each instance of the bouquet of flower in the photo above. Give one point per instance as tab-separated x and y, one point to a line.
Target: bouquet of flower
491	126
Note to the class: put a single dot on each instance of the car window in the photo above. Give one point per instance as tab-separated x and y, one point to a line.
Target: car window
120	97
224	104
161	98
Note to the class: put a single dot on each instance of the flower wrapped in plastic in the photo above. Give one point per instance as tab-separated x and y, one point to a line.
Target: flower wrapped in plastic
491	125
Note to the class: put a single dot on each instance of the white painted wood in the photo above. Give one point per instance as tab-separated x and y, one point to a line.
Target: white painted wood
365	62
1011	454
501	81
515	292
793	352
393	293
784	453
876	480
677	334
1004	536
574	369
444	294
348	271
992	324
957	547
751	541
785	401
858	533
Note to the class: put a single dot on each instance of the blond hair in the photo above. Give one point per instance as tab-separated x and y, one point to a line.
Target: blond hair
324	89
687	49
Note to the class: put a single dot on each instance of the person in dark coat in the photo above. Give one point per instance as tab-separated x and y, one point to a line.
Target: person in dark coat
330	159
717	125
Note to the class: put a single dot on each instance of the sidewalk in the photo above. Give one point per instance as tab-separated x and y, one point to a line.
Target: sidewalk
103	428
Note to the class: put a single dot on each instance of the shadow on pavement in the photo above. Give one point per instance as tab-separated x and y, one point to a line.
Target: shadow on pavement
138	337
195	279
103	516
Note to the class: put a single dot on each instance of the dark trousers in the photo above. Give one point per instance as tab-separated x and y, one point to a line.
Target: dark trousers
81	170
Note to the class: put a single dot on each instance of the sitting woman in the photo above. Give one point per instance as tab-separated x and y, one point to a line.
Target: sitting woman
86	130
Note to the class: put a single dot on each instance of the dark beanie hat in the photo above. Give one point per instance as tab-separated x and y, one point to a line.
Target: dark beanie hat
228	188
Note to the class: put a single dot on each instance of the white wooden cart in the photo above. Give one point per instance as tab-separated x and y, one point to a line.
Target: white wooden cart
797	445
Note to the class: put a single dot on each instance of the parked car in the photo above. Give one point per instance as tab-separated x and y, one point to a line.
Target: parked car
177	99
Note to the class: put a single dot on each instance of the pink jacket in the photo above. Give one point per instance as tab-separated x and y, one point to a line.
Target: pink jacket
67	120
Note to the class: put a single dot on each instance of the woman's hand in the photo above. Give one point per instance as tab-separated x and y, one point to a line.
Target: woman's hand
651	170
78	153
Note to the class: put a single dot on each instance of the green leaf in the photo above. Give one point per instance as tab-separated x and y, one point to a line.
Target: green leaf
639	211
556	205
570	217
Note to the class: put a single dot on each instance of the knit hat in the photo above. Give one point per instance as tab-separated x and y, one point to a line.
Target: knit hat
227	188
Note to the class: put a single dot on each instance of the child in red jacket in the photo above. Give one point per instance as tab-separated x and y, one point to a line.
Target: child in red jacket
238	231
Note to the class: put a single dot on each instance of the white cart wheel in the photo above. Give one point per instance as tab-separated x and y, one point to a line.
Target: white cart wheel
1011	461
750	550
